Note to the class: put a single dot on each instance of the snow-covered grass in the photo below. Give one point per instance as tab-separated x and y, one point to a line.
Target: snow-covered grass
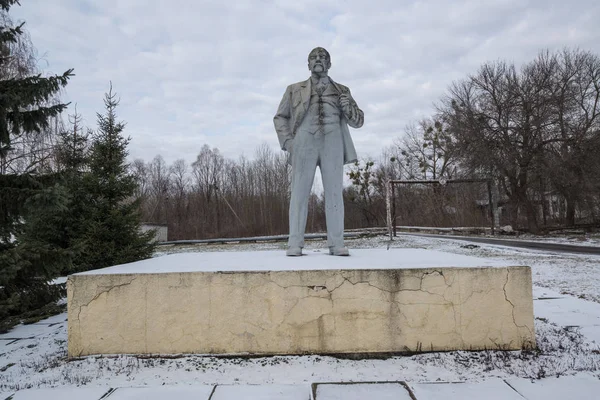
564	349
41	362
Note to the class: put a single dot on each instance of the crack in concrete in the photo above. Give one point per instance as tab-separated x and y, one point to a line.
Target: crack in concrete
391	300
420	289
107	290
346	279
512	304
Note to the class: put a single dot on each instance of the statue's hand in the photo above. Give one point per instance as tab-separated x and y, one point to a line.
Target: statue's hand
346	105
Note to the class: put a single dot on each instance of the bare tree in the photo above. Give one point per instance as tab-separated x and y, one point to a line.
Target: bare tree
427	150
571	162
499	118
207	173
159	189
179	188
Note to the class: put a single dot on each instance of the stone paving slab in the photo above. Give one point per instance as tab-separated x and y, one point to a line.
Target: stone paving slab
64	393
261	392
579	387
361	391
193	392
495	389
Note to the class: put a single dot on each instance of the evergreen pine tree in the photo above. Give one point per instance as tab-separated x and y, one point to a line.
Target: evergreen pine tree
73	148
72	159
112	224
30	206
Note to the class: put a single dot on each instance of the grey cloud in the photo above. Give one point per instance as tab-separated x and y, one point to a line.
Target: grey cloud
213	72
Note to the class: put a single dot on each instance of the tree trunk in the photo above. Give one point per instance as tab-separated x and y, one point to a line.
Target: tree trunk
570	211
531	212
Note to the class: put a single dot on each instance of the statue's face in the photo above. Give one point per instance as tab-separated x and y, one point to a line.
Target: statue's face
318	61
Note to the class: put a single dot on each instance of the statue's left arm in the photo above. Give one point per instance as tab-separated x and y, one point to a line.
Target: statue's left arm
354	115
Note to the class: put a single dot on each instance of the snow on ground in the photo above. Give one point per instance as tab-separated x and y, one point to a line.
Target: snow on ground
567	310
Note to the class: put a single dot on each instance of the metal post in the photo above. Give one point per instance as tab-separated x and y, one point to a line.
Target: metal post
491	204
394	208
388	208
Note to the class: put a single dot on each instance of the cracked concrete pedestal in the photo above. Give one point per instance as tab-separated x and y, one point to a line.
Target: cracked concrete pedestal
375	301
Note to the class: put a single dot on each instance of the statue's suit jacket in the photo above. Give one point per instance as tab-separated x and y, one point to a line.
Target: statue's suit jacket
292	110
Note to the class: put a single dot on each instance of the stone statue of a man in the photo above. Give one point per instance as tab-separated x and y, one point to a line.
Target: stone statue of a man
312	125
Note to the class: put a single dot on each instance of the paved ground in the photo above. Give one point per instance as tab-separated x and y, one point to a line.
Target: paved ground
579	387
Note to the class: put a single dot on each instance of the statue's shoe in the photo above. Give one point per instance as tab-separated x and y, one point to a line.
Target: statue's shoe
339	251
294	251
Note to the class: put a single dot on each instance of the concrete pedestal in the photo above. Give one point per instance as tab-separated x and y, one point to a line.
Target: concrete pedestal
375	301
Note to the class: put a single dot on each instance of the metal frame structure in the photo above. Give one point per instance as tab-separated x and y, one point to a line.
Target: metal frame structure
391	203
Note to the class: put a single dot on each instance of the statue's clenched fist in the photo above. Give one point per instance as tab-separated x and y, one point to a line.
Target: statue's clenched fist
346	105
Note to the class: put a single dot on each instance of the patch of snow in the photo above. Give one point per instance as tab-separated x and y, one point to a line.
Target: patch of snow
59	281
7	345
573	313
30	331
56	319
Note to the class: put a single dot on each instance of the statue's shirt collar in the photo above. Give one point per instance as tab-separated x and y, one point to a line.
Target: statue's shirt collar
321	81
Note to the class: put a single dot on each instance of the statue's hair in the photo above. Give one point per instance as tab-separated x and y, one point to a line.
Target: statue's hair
319	49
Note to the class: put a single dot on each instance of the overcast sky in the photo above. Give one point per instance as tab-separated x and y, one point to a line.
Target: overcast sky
213	72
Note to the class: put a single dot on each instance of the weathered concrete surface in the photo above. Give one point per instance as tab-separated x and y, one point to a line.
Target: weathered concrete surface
295	312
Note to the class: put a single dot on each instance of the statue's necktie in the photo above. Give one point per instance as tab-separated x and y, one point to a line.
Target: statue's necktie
320	88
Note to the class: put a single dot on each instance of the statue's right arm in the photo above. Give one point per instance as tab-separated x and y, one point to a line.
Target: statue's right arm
282	119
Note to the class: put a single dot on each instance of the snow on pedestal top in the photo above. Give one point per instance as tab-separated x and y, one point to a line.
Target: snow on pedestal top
313	260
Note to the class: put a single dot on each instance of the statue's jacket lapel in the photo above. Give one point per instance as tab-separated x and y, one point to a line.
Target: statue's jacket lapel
300	102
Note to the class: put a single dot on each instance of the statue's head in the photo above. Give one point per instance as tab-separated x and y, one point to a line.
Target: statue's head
319	60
